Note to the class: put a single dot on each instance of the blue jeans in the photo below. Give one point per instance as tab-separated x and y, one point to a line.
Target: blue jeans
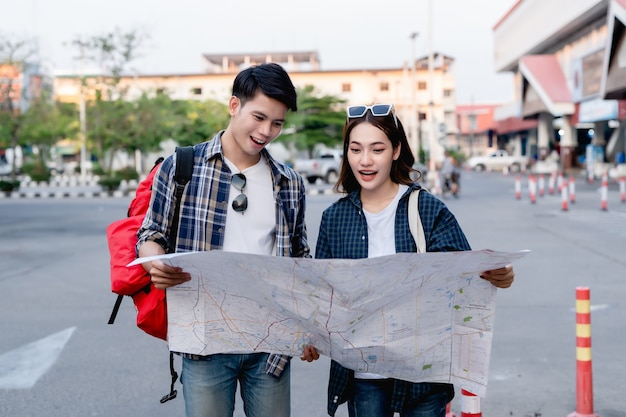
209	386
372	398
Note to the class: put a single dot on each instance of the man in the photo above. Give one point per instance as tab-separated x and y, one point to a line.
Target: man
239	199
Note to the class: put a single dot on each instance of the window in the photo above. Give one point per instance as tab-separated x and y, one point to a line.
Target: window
384	86
448	92
346	87
421	85
197	91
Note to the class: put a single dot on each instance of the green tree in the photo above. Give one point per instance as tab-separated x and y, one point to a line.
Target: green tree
198	121
107	115
319	120
14	54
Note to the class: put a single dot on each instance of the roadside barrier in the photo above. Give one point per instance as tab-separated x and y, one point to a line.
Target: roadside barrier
572	189
470	404
584	377
518	187
449	412
604	191
542	184
564	199
532	188
551	182
622	189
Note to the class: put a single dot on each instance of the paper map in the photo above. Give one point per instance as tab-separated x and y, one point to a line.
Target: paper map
417	317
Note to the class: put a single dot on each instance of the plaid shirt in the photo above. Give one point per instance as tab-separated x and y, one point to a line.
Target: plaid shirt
343	234
204	208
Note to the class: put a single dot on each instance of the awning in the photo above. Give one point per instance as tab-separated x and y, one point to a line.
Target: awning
614	68
544	88
515	124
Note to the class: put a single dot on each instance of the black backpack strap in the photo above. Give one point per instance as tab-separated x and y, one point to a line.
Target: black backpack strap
184	171
182	175
116	308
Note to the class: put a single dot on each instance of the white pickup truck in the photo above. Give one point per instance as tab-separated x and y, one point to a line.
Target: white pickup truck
497	161
325	165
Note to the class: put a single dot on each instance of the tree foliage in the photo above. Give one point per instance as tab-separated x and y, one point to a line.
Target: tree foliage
319	120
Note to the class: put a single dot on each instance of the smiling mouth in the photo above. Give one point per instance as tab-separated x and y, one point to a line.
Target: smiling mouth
367	172
257	141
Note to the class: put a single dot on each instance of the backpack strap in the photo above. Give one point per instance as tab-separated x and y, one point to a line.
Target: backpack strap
182	175
415	222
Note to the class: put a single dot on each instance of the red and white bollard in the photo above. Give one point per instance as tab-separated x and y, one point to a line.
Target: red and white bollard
604	192
542	185
622	189
584	377
470	404
449	412
572	189
551	182
532	188
518	187
564	199
560	181
590	174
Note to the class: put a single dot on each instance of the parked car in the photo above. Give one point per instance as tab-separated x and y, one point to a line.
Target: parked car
497	161
5	169
325	164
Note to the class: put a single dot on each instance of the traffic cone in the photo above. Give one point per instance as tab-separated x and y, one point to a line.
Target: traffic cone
604	191
518	187
541	185
584	377
564	190
470	404
532	187
572	189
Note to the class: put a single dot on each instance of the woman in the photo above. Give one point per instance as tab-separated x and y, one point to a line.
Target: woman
372	220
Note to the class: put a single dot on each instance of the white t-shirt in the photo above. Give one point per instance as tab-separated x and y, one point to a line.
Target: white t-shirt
253	230
381	235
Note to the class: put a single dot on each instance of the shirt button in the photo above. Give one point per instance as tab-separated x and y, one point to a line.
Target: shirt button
220	230
363	237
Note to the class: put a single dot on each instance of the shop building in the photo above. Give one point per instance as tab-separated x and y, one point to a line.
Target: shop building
569	79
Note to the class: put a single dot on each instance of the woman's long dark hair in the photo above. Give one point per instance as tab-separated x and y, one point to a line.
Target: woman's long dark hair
401	168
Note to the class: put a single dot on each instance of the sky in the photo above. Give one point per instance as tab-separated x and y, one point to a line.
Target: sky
347	34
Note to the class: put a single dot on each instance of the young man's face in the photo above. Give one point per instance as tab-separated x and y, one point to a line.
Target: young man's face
257	123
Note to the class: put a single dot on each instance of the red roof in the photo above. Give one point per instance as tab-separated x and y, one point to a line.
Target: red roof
545	75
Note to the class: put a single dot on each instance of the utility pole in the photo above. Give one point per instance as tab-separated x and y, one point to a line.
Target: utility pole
431	104
415	144
82	121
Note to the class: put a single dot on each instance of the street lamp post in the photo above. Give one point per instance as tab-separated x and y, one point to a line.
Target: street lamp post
414	134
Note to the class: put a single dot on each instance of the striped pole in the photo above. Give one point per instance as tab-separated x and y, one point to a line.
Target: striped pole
532	187
470	404
564	190
551	182
584	380
604	191
572	189
449	412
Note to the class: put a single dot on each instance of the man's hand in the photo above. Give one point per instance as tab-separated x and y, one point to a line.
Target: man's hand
501	277
165	276
310	354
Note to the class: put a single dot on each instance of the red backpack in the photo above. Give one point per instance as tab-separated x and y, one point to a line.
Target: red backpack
134	281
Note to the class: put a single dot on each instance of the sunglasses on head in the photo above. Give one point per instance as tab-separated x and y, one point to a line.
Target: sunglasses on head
240	203
378	110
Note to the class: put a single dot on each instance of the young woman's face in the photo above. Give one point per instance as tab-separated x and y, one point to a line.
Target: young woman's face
257	123
370	155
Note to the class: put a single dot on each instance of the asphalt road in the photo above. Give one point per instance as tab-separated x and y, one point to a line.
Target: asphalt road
55	301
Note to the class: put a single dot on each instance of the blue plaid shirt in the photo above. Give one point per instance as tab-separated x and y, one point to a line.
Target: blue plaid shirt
343	234
204	207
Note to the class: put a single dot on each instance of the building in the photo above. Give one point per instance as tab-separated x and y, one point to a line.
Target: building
425	98
569	82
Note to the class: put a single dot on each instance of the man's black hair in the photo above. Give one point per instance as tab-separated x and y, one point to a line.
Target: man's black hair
270	79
